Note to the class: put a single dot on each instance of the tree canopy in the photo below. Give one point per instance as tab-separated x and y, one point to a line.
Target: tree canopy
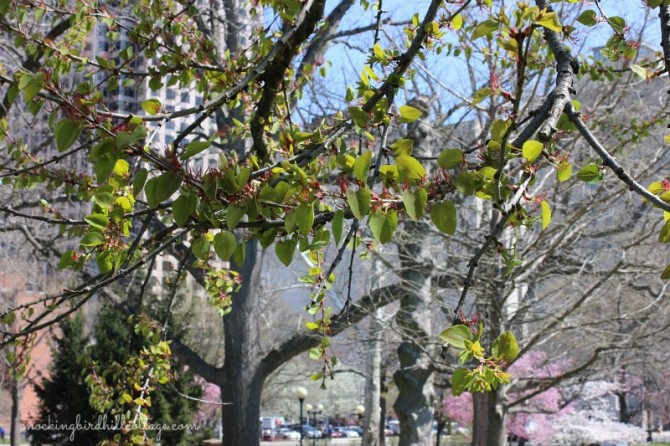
136	131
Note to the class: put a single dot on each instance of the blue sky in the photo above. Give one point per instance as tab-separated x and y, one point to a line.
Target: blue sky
349	55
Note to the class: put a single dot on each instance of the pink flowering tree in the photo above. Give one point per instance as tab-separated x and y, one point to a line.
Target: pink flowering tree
208	411
578	414
530	413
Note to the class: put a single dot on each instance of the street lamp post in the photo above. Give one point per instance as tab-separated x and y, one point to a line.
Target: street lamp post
308	408
316	411
301	394
359	411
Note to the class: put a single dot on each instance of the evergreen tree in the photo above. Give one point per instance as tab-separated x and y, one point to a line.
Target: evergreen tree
64	394
114	341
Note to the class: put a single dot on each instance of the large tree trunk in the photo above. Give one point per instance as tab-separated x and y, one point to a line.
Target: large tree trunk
383	390
416	399
242	371
372	383
480	419
489	418
497	412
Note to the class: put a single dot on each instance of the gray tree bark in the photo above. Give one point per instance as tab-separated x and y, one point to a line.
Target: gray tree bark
242	371
416	399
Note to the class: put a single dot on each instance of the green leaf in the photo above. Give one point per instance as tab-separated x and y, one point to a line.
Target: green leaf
194	148
105	261
415	203
666	273
304	216
139	180
67	131
240	253
590	174
505	347
311	325
450	158
152	106
125	140
481	94
383	224
359	116
532	150
121	168
234	215
104	199
289	221
66	259
546	214
499	128
563	171
92	238
640	71
459	381
4	6
225	244
409	168
550	20
359	202
456	22
31	85
200	247
99	221
183	207
378	51
161	188
485	28
588	18
456	335
284	250
315	353
9	318
444	217
403	147
336	226
409	114
362	166
618	24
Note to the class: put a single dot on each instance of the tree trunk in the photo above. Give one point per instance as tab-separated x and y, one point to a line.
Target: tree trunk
15	421
372	385
624	412
496	419
382	405
242	371
488	427
416	399
480	421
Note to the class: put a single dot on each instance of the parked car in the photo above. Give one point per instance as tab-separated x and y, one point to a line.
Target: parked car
348	433
394	425
285	433
336	433
311	432
267	434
